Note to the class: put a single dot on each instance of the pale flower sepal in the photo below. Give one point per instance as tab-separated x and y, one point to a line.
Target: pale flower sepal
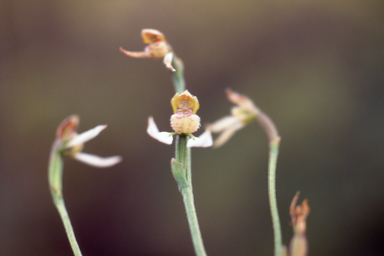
168	61
242	101
223	123
227	126
241	115
97	161
86	136
144	54
203	141
69	143
153	131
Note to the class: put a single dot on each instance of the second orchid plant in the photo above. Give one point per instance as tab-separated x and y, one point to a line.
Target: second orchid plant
69	143
184	121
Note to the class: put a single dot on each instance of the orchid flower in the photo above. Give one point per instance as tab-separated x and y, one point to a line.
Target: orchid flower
183	121
157	47
71	144
244	113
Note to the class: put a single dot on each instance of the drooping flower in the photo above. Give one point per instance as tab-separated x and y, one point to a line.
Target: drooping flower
244	113
69	143
157	47
184	121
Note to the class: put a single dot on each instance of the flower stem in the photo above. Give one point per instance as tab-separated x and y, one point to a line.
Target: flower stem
274	142
273	153
178	75
184	180
59	203
192	221
55	174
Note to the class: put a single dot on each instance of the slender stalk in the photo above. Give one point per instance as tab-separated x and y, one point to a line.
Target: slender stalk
59	203
55	174
189	167
178	75
274	142
273	153
181	149
192	221
183	156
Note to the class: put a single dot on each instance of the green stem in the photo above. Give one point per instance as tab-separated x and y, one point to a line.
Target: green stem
59	203
178	75
188	166
183	155
181	149
274	141
55	174
273	153
192	221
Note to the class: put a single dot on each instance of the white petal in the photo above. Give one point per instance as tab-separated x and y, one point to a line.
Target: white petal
152	130
168	61
223	124
97	161
203	141
86	136
227	134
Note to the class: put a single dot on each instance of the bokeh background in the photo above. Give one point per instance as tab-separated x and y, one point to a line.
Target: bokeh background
316	67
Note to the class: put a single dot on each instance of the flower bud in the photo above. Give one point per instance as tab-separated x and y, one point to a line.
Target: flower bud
299	214
157	47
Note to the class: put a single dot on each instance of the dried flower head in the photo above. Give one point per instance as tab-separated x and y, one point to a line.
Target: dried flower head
157	47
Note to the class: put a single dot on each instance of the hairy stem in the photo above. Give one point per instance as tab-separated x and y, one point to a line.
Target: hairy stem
274	142
273	153
183	156
192	221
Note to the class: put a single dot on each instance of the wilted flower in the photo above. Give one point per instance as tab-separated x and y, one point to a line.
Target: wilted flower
244	113
69	143
157	47
183	121
299	214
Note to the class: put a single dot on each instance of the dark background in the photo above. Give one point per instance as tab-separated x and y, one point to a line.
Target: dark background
316	67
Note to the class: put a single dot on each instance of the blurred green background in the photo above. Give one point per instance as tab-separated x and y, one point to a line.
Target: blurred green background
316	67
